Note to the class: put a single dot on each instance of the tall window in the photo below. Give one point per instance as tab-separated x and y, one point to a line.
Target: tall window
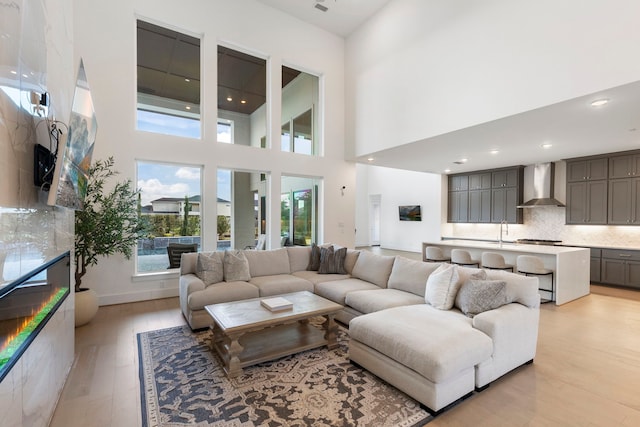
300	94
242	95
242	202
299	210
168	81
172	200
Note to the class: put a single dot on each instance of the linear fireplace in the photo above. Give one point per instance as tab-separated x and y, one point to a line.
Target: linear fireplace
27	304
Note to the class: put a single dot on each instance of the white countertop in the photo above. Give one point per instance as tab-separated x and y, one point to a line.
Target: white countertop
513	247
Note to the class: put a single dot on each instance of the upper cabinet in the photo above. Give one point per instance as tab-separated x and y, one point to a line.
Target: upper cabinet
587	170
490	196
624	166
604	189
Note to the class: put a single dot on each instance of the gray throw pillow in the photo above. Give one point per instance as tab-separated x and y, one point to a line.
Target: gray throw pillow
314	258
477	296
236	267
332	260
209	268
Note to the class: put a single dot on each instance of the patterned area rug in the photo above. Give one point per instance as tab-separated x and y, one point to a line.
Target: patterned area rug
182	384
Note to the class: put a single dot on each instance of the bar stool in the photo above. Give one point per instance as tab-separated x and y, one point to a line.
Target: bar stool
462	257
434	254
533	265
494	261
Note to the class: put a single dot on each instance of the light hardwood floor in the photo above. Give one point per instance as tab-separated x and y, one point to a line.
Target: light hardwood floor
586	372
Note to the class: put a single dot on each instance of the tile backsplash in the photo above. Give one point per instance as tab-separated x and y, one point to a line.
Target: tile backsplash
548	223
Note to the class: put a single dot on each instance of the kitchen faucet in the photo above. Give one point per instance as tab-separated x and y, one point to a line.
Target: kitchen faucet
506	224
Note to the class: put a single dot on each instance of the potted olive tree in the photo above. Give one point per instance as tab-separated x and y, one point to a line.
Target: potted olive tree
109	223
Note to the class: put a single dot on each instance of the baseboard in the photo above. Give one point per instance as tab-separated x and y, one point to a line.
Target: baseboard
146	295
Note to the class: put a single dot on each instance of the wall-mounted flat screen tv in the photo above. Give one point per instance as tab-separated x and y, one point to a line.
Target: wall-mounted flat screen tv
410	213
72	169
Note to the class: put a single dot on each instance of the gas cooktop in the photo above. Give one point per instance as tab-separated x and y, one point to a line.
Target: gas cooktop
539	242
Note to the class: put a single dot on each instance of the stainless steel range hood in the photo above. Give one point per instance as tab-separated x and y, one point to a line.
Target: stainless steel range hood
543	175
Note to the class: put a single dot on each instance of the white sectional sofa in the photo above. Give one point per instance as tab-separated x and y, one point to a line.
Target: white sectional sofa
433	354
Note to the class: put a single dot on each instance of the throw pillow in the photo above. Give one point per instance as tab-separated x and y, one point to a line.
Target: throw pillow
236	266
209	268
332	260
442	287
314	258
477	296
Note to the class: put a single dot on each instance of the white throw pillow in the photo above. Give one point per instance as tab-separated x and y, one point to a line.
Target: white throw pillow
209	268
442	287
236	266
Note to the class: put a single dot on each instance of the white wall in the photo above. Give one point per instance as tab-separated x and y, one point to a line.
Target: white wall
423	68
105	38
398	187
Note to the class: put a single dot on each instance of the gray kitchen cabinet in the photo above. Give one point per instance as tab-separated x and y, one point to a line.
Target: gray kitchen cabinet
504	202
480	206
458	208
624	166
506	178
595	266
624	201
458	183
621	267
480	181
587	202
587	170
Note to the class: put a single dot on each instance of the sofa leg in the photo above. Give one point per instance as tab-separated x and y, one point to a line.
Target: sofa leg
446	408
529	362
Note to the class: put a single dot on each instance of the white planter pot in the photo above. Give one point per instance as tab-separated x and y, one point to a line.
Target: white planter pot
86	306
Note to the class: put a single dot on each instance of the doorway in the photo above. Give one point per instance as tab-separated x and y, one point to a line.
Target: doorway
374	219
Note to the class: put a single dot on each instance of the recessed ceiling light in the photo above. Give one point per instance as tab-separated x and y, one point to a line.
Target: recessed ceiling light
494	151
447	170
464	160
229	98
14	72
187	107
187	80
243	101
546	145
370	159
599	102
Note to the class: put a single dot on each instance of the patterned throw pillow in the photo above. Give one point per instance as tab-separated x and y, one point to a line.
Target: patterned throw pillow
314	258
442	287
209	268
236	267
332	260
477	296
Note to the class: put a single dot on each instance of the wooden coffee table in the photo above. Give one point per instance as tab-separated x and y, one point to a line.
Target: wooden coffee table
246	333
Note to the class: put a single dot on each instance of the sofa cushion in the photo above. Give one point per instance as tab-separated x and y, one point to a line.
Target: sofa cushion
477	296
280	284
350	260
436	344
268	263
373	268
221	292
236	266
337	290
442	287
410	275
315	277
298	257
380	299
332	260
209	267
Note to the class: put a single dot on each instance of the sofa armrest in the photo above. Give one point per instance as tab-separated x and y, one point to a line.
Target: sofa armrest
190	283
514	331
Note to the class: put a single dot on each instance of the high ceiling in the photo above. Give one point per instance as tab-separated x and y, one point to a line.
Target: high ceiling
342	16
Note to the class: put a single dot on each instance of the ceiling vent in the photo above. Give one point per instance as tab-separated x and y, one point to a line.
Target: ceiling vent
321	7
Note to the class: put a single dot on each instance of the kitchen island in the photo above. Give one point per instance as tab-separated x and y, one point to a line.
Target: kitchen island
571	265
